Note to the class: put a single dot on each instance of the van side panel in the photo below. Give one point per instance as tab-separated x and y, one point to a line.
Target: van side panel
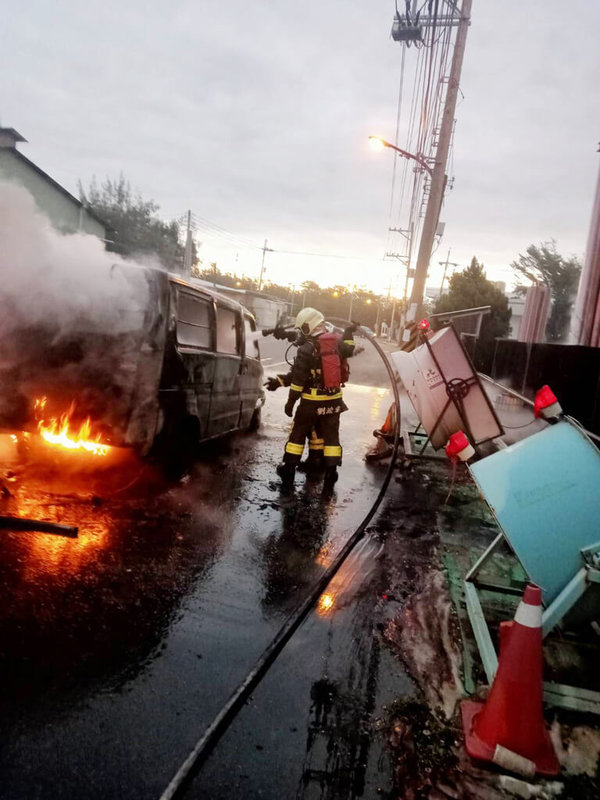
225	398
251	393
144	417
211	381
189	364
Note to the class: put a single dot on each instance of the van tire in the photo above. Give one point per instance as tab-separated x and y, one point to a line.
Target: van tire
178	446
255	420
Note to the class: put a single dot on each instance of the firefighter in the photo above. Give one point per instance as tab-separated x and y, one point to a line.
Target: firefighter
316	378
314	464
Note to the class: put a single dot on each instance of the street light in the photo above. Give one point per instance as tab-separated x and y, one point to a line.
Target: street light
351	304
377	143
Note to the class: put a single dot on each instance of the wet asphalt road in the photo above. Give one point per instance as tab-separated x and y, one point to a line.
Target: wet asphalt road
118	648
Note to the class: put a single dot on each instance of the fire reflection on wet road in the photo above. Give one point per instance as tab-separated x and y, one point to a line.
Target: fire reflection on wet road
120	646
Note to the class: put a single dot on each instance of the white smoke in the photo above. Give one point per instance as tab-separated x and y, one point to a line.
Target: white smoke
68	279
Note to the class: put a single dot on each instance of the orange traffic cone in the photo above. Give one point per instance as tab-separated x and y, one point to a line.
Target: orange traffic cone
511	718
388	429
385	436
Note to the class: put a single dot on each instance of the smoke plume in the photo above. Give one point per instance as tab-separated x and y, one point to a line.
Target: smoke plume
77	324
67	278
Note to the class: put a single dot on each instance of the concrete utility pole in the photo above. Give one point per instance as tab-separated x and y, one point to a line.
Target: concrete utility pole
585	320
445	264
406	260
265	249
438	177
187	253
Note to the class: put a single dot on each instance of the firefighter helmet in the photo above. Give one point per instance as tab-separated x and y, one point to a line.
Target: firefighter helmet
308	319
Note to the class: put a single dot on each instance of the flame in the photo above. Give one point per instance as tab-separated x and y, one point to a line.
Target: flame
326	603
57	431
325	556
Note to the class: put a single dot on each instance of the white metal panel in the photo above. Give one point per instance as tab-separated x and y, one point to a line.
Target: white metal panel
426	389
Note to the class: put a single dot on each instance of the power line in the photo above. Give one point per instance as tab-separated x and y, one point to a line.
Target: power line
326	255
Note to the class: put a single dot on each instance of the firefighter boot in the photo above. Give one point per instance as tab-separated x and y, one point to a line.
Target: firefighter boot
313	464
286	472
331	476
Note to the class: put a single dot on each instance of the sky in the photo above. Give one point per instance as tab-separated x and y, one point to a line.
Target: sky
256	117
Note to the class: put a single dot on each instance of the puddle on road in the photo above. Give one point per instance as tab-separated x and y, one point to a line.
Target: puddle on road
86	622
354	573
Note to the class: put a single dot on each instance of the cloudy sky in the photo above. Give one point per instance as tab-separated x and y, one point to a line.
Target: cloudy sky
256	117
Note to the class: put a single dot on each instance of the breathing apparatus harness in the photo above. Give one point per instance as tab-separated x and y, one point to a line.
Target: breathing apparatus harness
334	369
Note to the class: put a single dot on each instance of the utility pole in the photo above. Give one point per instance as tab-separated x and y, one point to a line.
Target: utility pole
187	253
393	299
265	249
445	264
351	304
410	273
585	319
438	176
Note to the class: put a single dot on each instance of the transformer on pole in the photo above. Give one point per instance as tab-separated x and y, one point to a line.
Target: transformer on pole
404	31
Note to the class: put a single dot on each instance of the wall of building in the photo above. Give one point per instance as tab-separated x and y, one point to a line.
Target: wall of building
516	303
65	213
266	310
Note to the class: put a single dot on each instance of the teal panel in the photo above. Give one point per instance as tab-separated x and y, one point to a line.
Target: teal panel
545	493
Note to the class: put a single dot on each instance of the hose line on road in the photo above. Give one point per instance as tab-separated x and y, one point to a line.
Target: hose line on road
227	714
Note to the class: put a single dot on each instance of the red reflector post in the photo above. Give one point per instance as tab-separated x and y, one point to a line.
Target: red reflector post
546	404
459	448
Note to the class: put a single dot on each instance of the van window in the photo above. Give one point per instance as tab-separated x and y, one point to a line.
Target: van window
227	331
193	321
251	341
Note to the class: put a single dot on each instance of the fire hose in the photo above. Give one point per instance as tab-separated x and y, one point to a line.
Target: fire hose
229	711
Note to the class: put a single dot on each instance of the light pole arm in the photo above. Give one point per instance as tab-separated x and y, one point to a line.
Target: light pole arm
418	158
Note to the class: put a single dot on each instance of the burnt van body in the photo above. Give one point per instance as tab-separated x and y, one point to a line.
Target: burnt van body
211	379
167	359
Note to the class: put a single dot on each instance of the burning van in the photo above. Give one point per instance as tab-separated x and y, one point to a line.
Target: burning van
149	360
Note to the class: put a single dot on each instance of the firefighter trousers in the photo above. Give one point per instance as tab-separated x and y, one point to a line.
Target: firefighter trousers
327	426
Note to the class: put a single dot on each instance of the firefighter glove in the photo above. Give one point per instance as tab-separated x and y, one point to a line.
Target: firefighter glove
280	333
272	384
289	407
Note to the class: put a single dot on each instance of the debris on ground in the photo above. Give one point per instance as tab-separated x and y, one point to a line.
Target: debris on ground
428	633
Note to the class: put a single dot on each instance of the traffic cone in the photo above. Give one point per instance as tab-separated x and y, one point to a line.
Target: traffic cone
385	436
511	718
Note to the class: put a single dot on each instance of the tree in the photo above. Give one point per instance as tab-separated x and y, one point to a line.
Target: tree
133	223
471	289
545	265
333	302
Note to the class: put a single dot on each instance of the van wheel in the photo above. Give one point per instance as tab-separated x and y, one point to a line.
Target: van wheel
255	420
179	446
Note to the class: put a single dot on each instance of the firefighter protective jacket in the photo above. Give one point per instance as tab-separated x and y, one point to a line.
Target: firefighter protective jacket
305	379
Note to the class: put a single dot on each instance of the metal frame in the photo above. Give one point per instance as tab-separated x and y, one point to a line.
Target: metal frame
555	694
411	448
480	312
456	394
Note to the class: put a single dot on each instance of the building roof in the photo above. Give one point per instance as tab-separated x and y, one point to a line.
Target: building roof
13	134
17	154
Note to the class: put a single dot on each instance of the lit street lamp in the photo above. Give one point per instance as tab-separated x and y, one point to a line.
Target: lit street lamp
377	143
353	297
